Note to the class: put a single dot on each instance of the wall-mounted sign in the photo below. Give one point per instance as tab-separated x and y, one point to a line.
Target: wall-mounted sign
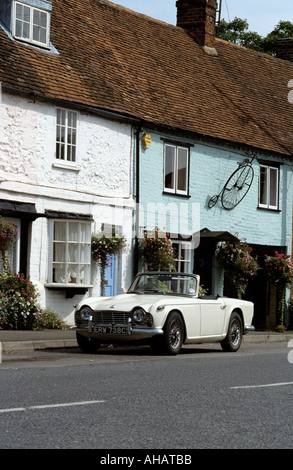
146	140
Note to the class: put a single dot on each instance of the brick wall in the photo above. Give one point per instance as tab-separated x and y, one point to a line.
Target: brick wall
284	49
198	17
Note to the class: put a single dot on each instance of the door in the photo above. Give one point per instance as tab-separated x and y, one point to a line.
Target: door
212	314
110	277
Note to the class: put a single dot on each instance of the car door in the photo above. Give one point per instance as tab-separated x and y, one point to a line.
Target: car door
212	316
191	314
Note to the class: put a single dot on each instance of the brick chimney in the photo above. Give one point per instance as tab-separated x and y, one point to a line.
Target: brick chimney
284	49
198	18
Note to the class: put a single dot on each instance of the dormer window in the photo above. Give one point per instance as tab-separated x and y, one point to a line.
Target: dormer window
31	23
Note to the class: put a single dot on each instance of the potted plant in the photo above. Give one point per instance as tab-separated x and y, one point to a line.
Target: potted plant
104	245
237	261
157	252
279	271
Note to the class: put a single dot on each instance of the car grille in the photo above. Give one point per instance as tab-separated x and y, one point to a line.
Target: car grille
112	317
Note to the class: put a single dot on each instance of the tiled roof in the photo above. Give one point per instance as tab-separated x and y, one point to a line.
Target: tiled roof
112	58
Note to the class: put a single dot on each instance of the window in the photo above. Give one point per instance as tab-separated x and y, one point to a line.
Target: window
66	135
268	187
71	253
182	256
176	169
31	24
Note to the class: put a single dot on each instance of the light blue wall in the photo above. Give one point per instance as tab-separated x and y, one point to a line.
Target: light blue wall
210	167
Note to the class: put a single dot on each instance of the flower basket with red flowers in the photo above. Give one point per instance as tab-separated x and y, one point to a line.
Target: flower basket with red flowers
239	264
8	235
157	252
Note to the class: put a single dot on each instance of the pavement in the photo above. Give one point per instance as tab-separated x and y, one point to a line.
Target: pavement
18	340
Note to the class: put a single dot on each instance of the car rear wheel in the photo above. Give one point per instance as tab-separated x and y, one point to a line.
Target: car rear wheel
233	340
87	345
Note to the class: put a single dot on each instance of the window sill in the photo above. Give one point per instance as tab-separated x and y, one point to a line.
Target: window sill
70	289
268	209
184	196
66	166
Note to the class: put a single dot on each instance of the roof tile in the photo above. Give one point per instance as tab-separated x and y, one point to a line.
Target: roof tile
110	57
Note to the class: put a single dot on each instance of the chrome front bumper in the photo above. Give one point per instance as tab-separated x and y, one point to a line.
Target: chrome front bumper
130	329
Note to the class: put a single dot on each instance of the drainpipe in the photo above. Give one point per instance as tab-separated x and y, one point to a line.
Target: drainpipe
137	200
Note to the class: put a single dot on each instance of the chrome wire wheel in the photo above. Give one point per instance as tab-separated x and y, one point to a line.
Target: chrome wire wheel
173	337
233	340
235	332
175	333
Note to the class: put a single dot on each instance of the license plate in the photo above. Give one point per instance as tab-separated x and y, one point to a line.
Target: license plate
111	330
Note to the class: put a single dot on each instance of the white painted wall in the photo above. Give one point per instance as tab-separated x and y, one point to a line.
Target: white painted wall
99	183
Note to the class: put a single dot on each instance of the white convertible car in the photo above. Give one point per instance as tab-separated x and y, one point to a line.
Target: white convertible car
164	310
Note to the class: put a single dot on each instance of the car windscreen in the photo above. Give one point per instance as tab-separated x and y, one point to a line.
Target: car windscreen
179	284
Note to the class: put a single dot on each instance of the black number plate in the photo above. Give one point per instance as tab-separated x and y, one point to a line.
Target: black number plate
111	330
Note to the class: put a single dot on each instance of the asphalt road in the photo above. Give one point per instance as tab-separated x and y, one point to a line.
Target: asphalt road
131	399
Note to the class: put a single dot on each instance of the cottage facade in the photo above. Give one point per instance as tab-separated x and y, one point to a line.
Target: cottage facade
110	118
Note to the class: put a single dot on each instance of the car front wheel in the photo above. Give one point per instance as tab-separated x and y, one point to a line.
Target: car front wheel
173	334
87	345
233	340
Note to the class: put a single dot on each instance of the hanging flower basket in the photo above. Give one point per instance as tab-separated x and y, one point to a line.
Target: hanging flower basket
236	259
279	271
104	246
157	252
8	235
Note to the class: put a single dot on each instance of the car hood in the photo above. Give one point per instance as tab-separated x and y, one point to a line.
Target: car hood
126	302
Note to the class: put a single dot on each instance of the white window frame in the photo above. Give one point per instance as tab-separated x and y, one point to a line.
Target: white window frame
69	154
269	170
174	189
183	263
31	25
74	266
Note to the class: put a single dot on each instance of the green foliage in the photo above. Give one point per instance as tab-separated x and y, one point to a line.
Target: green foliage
48	320
237	31
18	302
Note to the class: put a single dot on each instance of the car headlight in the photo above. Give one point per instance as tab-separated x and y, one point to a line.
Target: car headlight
85	313
139	315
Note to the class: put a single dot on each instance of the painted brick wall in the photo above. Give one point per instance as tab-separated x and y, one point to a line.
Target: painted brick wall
210	167
100	183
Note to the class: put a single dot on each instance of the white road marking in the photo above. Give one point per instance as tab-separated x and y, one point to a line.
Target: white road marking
10	410
262	386
56	405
